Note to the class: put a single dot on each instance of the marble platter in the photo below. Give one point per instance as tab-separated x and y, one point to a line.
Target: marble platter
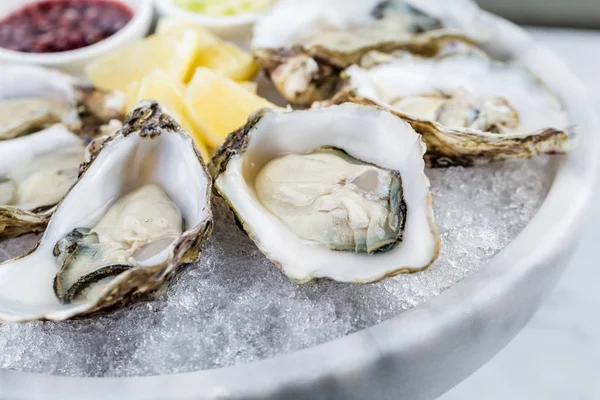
424	351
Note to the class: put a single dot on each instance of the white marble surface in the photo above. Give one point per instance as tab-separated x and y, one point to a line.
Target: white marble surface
557	355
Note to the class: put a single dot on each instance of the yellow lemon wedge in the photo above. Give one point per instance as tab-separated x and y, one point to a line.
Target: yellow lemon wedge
131	95
161	87
250	86
228	60
223	57
175	53
217	106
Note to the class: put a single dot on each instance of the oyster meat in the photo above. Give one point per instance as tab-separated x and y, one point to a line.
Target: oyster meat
303	47
33	98
328	197
325	199
468	108
42	182
36	171
139	210
137	226
21	115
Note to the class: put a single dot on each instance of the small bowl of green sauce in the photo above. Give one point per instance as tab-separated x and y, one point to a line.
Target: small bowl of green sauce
231	19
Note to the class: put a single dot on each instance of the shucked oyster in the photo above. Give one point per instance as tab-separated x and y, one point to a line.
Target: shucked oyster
327	196
33	98
304	46
337	192
137	226
469	108
140	209
36	171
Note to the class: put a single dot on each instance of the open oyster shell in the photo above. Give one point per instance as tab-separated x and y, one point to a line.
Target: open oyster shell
338	192
468	108
33	98
304	46
139	182
36	171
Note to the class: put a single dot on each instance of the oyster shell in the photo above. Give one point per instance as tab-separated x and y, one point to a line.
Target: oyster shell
36	171
323	199
303	47
468	108
33	98
124	228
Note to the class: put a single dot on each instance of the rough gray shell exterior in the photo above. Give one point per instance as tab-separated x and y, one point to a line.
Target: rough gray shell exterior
326	80
16	221
93	112
448	147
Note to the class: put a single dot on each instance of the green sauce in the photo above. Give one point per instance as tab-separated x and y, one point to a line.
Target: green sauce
224	7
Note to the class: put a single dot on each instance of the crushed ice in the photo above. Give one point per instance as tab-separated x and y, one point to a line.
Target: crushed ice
234	306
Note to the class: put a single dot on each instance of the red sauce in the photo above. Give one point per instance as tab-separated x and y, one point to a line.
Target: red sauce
50	26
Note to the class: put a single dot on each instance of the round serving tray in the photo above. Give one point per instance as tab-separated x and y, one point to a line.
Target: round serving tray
424	351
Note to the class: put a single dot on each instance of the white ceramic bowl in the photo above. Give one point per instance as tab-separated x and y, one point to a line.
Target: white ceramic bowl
74	61
237	28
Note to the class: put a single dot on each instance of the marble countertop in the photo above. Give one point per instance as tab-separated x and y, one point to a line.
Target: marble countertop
557	355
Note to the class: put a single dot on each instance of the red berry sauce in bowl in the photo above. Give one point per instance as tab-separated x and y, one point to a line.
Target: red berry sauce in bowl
51	26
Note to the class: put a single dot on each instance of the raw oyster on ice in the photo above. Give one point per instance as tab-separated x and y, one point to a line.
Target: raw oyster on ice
350	205
468	108
36	171
303	47
136	226
33	98
139	210
326	192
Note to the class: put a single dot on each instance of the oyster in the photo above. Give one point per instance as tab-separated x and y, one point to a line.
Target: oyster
468	108
303	47
138	225
139	210
33	98
36	171
321	198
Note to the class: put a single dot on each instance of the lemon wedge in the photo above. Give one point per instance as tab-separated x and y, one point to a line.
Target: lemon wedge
161	87
175	53
131	95
217	106
225	58
228	60
250	86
